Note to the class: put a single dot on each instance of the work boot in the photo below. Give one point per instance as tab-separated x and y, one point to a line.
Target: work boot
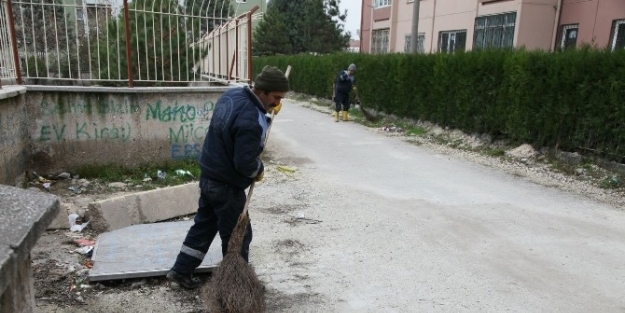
345	116
336	116
185	280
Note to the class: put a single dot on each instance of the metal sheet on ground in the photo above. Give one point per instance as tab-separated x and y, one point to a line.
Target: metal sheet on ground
145	250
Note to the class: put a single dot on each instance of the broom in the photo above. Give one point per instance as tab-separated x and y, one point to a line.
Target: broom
368	115
235	287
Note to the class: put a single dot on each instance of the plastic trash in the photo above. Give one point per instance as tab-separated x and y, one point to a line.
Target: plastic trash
72	223
289	171
64	175
84	242
161	175
184	173
84	250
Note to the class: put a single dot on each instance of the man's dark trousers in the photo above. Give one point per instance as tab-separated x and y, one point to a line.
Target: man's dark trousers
341	101
219	208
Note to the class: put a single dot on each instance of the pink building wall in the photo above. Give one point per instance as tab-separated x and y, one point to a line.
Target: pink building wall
403	23
536	27
536	22
365	26
594	17
454	15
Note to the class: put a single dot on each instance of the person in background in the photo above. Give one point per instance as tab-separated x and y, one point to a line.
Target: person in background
344	83
229	162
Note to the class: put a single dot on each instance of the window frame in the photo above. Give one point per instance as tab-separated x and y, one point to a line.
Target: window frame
80	14
563	35
382	3
455	33
420	44
375	41
616	24
490	34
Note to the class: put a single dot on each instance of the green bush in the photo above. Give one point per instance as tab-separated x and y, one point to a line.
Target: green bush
36	67
573	100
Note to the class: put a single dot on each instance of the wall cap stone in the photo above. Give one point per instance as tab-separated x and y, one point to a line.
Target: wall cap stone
135	90
24	217
11	91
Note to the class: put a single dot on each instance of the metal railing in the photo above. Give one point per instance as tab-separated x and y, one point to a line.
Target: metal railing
134	43
8	59
229	52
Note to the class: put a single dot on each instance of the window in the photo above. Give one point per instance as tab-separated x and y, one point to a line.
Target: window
568	36
79	14
382	3
408	43
494	31
617	40
451	41
380	41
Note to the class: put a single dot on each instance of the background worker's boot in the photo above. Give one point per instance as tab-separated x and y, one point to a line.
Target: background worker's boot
345	117
336	116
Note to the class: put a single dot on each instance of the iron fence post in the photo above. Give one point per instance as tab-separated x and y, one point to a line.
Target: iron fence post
16	57
128	44
249	46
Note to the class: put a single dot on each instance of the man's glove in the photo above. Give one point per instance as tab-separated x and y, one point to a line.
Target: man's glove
259	177
277	108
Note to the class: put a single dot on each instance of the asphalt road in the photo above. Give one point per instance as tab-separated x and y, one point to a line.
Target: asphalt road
405	229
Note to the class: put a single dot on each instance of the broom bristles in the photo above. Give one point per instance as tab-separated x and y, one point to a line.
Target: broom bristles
234	286
368	115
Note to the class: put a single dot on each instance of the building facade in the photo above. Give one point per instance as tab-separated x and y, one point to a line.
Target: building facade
454	25
599	23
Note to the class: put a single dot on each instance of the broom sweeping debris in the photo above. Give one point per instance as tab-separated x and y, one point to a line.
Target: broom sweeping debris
235	287
371	117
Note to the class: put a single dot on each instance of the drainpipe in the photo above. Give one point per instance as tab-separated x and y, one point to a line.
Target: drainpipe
362	18
433	25
555	26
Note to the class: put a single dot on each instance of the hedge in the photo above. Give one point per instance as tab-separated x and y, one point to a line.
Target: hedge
573	100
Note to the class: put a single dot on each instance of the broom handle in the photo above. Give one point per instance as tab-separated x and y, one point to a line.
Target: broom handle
249	193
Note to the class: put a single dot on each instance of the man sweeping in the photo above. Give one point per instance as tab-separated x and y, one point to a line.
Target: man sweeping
229	162
344	83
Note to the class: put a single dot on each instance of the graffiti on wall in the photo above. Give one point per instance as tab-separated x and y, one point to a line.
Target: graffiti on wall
183	124
84	131
106	108
179	112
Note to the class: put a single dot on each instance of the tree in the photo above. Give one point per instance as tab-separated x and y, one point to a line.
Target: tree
47	41
40	12
291	27
162	40
208	14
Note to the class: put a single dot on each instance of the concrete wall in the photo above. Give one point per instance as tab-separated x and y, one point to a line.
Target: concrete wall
13	134
70	128
594	17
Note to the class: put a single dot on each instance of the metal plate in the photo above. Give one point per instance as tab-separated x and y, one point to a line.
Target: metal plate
145	250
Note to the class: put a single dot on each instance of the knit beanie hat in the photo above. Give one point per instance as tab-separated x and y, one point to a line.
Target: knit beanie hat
352	67
271	79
